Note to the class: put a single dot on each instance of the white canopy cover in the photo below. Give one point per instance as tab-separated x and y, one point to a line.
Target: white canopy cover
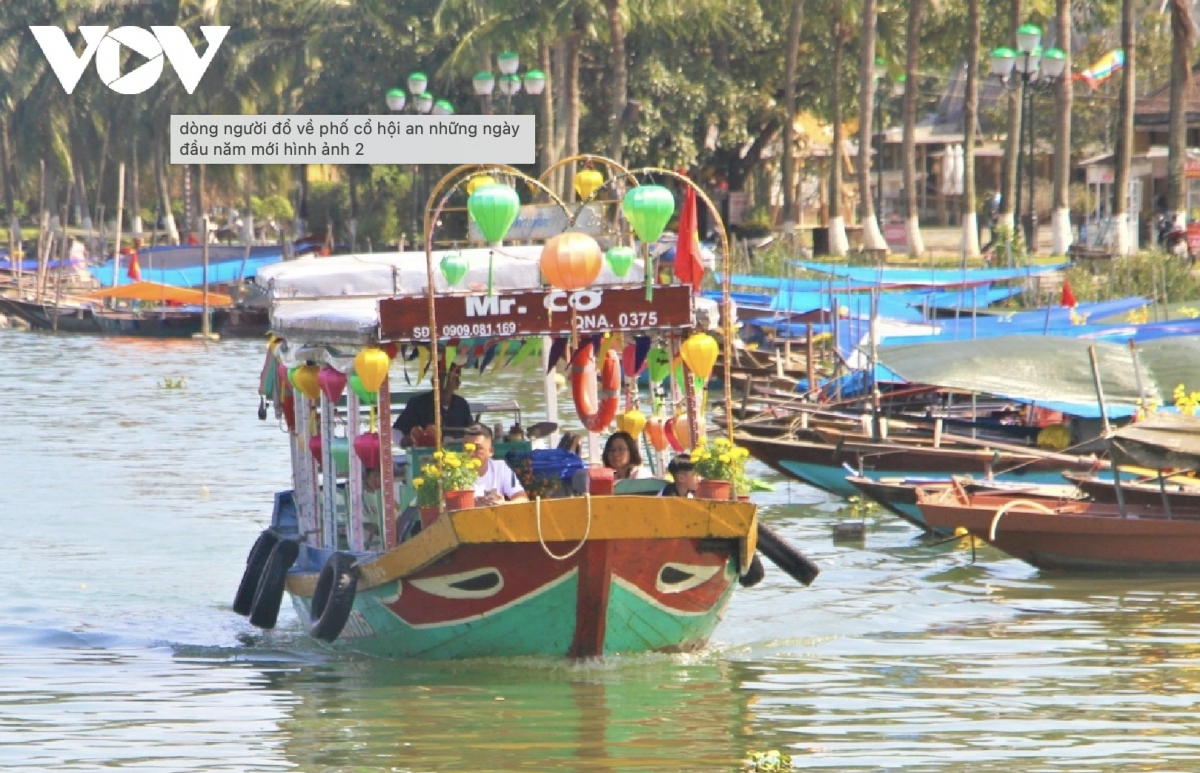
335	300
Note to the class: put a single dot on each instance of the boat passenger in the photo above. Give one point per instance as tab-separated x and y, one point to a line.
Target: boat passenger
497	482
684	478
621	455
456	411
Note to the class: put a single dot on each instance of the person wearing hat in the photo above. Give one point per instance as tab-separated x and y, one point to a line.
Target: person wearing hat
456	411
684	478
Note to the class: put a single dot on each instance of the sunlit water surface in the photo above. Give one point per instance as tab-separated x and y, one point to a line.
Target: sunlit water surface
128	508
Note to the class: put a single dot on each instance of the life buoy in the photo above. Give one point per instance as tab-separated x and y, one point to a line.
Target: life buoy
334	597
256	561
583	388
269	595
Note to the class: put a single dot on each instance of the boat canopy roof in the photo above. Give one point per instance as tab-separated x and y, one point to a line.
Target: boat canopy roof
1162	441
161	293
335	300
1048	369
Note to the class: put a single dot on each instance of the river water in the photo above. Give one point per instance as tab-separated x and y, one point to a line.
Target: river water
129	506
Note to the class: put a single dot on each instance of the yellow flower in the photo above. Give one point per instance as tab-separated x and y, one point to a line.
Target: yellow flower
454	463
438	455
418	482
429	469
468	447
723	458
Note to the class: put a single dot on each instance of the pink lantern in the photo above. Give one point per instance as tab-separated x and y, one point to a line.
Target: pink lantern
314	445
366	447
332	383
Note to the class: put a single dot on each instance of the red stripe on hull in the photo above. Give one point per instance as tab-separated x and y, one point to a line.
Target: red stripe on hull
591	609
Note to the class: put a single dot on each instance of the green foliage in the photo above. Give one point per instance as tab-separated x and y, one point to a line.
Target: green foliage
273	207
1153	275
173	383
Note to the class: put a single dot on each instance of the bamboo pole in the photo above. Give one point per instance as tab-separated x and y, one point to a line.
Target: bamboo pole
120	214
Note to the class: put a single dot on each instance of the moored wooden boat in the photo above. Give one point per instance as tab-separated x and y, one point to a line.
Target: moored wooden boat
1076	535
66	317
826	465
899	495
1178	491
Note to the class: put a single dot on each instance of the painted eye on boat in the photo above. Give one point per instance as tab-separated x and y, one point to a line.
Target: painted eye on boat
474	584
676	578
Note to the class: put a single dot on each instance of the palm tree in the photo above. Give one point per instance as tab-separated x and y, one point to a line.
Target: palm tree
1124	245
1060	218
970	109
872	236
615	13
838	243
1183	38
789	109
912	45
1012	138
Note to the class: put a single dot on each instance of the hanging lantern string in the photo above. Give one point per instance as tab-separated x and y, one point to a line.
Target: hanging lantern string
372	419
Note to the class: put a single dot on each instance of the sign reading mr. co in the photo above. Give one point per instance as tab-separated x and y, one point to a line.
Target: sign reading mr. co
105	46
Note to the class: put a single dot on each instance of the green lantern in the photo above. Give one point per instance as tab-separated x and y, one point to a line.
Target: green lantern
658	364
292	377
454	268
494	209
648	208
620	260
368	397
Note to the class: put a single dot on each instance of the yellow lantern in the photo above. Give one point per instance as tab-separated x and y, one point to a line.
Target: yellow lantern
587	180
306	381
371	366
700	354
478	182
632	422
571	261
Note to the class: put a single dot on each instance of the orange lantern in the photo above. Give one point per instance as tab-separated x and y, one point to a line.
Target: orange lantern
657	433
632	422
571	261
682	430
371	365
307	379
700	354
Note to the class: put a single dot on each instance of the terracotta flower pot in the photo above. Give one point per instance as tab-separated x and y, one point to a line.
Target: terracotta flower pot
429	515
460	500
714	489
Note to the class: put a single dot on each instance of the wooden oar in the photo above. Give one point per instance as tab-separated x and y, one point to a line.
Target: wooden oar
786	557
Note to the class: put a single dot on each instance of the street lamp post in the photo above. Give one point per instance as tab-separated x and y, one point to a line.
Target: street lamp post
509	82
1039	72
422	103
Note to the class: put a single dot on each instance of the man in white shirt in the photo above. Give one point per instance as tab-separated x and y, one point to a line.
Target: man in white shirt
497	482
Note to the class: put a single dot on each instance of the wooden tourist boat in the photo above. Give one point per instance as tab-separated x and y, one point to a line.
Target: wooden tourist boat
899	495
1180	491
1087	535
566	575
826	465
68	317
155	316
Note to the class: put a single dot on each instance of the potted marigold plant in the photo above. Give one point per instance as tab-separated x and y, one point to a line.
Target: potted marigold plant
429	494
449	477
720	464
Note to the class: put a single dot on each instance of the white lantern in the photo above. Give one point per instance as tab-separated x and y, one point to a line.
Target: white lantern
485	83
509	62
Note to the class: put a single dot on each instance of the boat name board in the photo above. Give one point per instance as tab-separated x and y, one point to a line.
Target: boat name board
537	312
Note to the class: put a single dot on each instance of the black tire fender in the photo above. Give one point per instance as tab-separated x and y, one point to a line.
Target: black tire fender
255	563
754	575
334	597
269	595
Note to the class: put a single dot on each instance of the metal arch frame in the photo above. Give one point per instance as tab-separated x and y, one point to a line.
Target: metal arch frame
463	174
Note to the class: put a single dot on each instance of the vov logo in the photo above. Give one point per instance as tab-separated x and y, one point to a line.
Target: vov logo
105	47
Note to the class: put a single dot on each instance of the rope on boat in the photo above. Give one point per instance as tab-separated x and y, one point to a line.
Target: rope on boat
586	531
1004	509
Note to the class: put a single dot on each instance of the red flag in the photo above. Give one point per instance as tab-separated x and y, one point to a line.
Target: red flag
1068	297
134	272
688	267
